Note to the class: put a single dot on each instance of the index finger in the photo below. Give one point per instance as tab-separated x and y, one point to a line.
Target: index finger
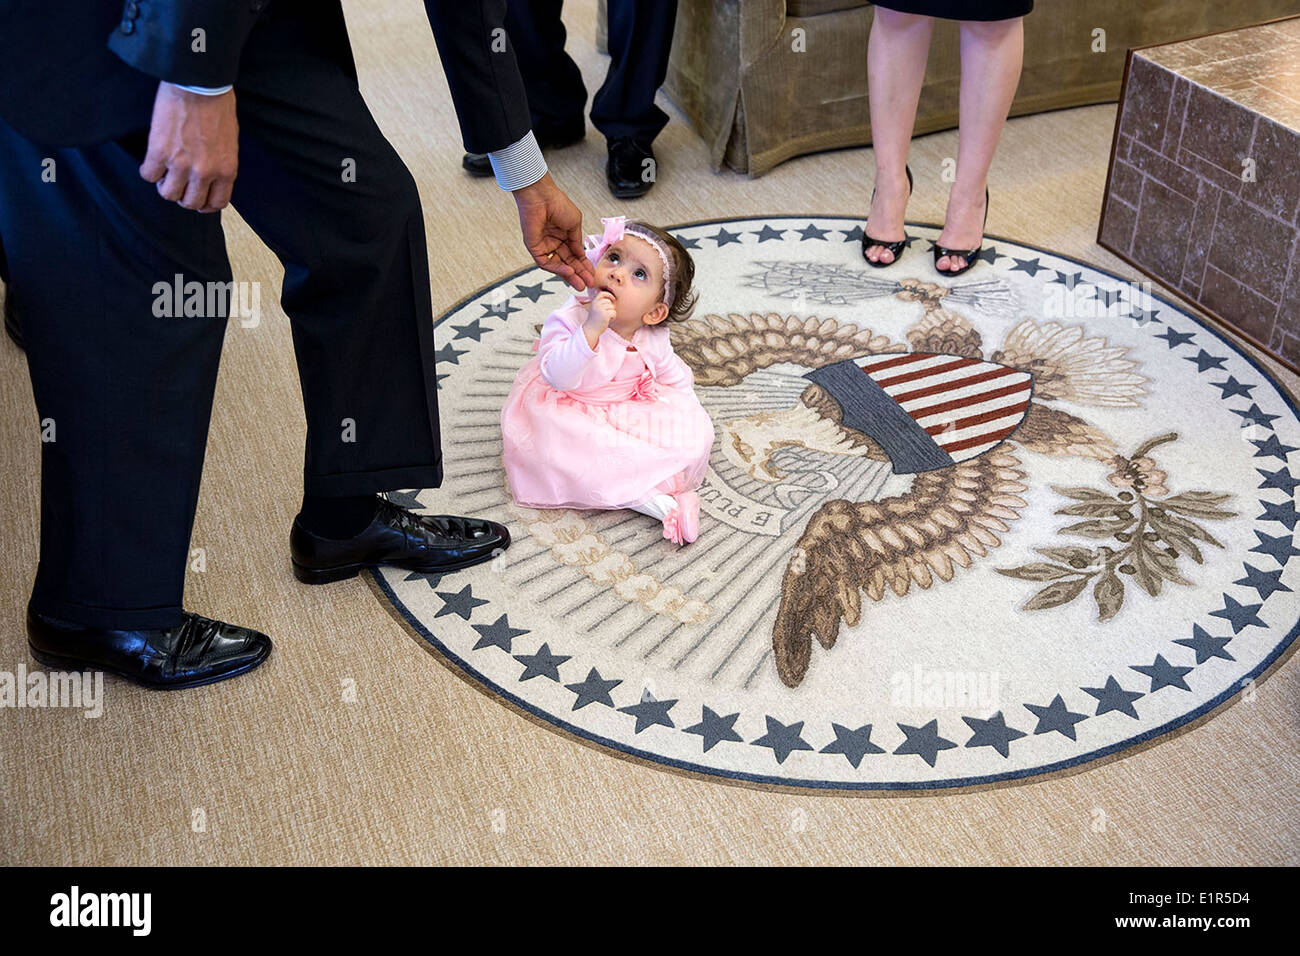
561	264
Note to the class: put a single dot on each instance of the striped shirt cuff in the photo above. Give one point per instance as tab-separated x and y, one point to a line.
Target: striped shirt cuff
519	164
205	90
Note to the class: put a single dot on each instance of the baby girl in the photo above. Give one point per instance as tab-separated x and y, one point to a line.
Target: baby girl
605	415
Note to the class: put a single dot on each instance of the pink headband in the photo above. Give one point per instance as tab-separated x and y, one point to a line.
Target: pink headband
615	228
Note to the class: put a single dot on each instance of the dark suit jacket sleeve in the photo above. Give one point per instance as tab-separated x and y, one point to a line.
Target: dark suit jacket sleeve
158	37
479	61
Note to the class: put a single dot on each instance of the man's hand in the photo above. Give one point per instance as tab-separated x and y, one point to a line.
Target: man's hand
552	228
193	151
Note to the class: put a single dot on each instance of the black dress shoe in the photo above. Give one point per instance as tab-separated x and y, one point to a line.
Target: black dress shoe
548	136
197	651
399	538
626	170
12	328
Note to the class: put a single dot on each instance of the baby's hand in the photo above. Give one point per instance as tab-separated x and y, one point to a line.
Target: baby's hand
600	312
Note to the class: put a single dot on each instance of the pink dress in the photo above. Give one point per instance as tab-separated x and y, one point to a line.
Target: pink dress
606	428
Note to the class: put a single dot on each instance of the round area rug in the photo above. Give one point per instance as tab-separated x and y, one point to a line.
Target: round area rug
954	531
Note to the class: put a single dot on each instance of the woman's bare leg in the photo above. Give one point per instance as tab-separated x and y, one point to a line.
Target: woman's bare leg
896	53
991	55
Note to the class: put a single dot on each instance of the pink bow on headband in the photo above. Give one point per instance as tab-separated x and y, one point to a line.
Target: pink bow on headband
596	245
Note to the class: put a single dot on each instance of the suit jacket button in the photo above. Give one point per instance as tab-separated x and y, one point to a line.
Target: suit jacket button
128	26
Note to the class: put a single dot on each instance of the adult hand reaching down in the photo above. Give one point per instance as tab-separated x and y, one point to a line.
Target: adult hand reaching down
193	152
552	231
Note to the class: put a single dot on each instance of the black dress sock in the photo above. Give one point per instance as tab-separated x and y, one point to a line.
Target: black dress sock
330	517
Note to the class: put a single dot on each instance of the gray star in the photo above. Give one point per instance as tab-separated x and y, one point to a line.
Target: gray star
1056	717
594	690
541	664
1280	479
1282	548
852	235
810	231
688	243
1107	299
461	603
406	499
853	744
723	237
471	331
1069	280
1114	697
714	729
993	732
432	578
1205	361
1031	266
1205	645
498	634
1141	316
501	310
1272	448
925	741
1255	416
650	712
1163	674
531	292
1265	582
767	232
1233	387
1175	339
1283	513
783	739
1239	615
448	354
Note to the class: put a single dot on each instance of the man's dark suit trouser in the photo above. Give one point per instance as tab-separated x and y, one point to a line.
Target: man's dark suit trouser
640	40
127	395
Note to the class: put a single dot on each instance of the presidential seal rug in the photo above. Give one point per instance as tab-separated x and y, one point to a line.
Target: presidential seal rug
955	531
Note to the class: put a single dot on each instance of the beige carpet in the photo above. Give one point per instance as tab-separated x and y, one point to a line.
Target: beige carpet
421	767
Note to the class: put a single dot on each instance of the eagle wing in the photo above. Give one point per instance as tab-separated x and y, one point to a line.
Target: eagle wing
849	547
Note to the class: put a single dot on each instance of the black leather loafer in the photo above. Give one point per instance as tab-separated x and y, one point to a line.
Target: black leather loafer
555	136
399	538
197	651
626	168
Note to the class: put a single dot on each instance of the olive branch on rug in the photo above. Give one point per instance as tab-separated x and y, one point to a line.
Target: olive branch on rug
1151	530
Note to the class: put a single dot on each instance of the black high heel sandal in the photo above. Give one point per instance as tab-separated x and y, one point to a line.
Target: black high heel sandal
967	254
895	248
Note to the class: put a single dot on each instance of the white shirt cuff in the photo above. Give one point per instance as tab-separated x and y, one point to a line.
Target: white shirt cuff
205	90
519	164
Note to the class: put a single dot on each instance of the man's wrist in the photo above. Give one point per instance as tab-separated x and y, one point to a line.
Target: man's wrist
204	90
519	165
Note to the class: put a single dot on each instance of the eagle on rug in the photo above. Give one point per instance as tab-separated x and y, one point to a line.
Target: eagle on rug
940	411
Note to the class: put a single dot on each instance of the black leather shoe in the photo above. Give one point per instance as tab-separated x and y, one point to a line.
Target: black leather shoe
197	651
626	170
399	538
12	328
548	136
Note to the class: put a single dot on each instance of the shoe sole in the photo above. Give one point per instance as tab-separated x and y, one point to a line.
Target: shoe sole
629	193
56	661
344	571
689	502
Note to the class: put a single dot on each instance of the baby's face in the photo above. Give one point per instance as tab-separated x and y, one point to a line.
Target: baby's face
631	271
